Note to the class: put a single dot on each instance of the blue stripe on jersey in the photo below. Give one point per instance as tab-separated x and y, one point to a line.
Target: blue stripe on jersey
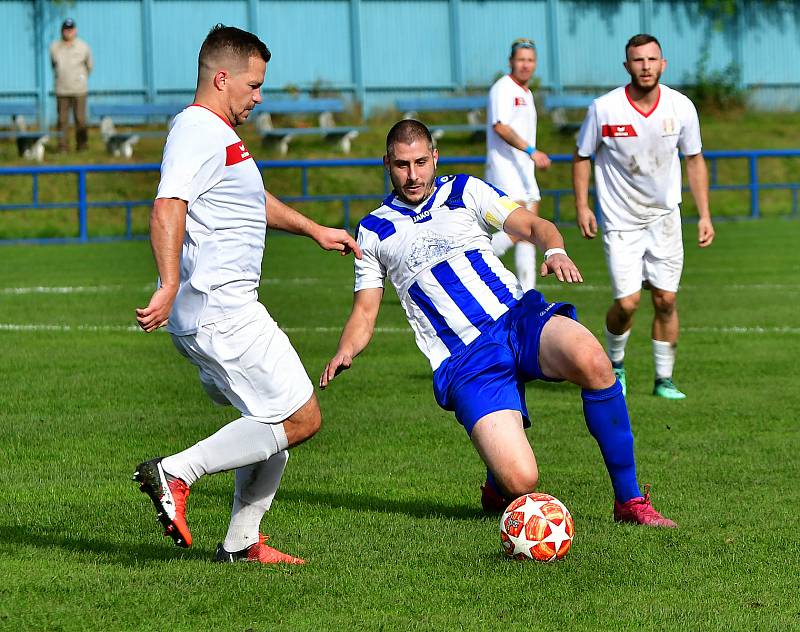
447	335
389	201
383	228
498	191
461	296
490	278
455	199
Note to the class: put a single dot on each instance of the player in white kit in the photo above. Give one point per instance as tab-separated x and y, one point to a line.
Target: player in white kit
207	231
484	337
635	132
511	153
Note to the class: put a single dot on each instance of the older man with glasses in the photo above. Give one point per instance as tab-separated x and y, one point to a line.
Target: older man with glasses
511	153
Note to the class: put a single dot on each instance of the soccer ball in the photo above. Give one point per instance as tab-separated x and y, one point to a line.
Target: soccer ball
536	527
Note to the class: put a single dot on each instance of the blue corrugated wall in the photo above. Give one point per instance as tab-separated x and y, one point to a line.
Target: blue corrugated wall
376	50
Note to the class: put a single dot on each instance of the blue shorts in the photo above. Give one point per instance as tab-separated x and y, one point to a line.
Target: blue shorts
490	373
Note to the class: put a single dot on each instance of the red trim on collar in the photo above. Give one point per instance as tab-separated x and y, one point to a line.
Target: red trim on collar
524	87
205	107
635	107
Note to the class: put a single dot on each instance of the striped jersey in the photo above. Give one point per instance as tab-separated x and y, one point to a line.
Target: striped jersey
439	258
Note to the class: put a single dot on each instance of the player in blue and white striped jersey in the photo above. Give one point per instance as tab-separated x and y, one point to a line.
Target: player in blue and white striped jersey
483	337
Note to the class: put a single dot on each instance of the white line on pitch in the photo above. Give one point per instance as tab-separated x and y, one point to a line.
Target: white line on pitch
381	330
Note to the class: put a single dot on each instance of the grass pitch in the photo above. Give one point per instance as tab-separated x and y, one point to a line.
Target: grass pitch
383	502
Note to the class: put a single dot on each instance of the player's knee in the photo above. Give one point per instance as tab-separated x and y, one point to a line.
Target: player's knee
523	481
594	368
665	304
628	305
304	423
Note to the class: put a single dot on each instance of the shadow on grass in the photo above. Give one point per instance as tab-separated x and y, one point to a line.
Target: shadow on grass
366	502
108	551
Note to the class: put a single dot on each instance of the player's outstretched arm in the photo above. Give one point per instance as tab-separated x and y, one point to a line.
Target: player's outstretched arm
285	218
356	334
167	231
581	171
697	175
545	236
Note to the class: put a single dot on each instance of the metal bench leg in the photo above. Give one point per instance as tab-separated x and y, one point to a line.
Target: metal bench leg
346	141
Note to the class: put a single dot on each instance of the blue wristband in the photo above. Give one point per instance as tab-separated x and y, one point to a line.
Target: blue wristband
529	150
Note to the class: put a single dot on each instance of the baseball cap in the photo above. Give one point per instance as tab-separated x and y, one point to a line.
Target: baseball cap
69	23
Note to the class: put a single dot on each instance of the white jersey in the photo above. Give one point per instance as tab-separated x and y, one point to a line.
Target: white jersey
637	168
507	167
439	258
207	165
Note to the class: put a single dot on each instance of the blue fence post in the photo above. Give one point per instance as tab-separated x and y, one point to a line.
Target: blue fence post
754	208
83	219
346	209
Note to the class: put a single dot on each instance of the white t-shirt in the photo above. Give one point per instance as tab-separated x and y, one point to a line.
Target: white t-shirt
439	258
508	168
637	168
206	164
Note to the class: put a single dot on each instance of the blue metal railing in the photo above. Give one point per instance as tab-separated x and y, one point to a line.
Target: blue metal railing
83	204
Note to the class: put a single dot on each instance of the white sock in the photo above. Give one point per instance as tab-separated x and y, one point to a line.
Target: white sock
501	243
525	264
615	344
242	442
255	489
664	358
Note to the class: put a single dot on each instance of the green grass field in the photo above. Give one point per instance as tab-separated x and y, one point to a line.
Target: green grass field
383	502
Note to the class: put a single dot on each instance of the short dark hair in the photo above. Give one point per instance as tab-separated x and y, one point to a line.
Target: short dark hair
640	40
407	131
230	41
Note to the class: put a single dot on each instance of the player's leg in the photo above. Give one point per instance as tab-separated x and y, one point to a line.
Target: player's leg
81	129
254	367
500	440
663	267
569	351
525	253
62	103
624	251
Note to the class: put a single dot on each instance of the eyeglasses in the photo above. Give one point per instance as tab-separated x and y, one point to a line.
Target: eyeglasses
522	42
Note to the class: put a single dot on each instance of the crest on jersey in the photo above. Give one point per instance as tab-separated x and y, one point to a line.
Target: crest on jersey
669	126
236	153
427	247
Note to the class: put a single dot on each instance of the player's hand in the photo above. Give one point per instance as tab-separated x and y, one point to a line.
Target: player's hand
156	313
337	239
587	222
540	159
563	267
705	232
338	363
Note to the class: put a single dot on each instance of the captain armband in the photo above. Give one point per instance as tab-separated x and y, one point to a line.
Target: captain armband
497	214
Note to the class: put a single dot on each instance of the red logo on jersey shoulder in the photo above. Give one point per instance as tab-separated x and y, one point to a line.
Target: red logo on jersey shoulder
619	131
236	153
519	101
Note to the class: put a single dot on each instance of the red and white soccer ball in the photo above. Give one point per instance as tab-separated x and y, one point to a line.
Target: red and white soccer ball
536	527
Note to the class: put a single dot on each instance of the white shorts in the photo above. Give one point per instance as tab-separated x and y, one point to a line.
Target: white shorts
653	253
519	189
248	362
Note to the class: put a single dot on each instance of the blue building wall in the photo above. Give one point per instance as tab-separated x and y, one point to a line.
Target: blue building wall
374	51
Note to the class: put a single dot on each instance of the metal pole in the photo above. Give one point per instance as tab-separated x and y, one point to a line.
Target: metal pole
148	63
646	15
252	15
455	44
552	47
355	54
83	219
42	54
755	212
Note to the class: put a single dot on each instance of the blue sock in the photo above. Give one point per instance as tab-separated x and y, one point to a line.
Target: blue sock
607	419
492	483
